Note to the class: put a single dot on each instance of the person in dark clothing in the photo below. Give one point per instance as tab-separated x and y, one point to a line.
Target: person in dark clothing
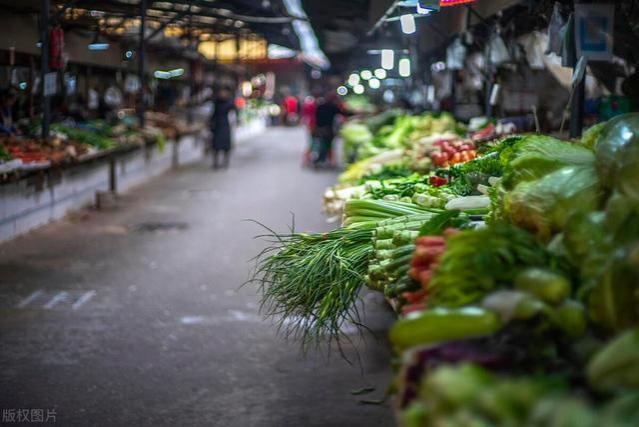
8	98
221	128
324	132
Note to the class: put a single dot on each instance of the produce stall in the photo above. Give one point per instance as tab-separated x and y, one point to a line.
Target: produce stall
43	181
511	263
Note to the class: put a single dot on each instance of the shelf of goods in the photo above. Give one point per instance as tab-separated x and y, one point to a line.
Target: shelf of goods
512	263
42	181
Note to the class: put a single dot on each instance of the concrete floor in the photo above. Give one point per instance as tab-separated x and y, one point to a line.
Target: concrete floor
108	323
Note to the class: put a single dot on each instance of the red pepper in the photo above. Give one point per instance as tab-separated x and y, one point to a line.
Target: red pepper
414	297
430	241
424	278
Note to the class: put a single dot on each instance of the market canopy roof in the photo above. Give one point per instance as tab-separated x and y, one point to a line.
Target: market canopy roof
270	19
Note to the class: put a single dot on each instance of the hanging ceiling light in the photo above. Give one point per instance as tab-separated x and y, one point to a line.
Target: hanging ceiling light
380	73
374	83
408	23
358	89
342	90
388	59
353	79
404	67
366	74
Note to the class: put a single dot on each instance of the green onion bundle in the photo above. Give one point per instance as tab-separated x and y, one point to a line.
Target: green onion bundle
310	282
393	245
367	210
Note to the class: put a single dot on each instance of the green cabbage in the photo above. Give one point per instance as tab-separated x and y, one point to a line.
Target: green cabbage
356	133
614	301
544	206
590	138
589	244
538	155
618	155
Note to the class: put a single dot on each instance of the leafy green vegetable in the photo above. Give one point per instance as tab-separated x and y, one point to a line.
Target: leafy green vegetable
89	137
479	261
535	156
355	134
469	396
618	155
590	138
442	221
310	281
617	364
3	154
440	325
623	411
544	206
614	301
466	177
551	287
398	170
588	245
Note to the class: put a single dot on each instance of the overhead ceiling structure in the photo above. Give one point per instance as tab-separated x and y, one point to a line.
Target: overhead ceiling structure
340	26
192	20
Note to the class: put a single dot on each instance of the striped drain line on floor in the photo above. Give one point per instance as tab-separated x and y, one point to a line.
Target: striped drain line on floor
56	299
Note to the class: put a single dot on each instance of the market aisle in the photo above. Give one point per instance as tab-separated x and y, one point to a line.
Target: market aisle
135	316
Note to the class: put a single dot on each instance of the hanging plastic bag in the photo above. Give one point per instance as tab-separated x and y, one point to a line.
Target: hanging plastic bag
456	55
533	50
498	52
554	31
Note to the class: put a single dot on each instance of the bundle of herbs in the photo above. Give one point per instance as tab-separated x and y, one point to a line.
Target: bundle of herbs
310	281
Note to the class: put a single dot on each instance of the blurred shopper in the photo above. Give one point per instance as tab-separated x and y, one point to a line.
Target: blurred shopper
291	110
8	98
328	108
309	111
221	128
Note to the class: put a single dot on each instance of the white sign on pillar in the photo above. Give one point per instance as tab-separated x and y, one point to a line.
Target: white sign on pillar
50	83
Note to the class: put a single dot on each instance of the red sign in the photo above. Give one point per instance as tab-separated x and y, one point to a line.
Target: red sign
444	3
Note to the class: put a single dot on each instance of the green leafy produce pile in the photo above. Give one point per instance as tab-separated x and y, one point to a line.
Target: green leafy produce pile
99	137
516	277
392	130
4	155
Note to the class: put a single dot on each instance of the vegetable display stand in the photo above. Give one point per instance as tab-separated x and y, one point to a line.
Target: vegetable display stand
522	259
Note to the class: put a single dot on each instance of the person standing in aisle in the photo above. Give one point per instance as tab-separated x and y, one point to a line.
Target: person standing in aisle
327	109
8	98
221	128
309	110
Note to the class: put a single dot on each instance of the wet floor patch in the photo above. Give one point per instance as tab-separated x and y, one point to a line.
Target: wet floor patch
153	227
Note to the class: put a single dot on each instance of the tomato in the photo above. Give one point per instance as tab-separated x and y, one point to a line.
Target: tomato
430	240
414	297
